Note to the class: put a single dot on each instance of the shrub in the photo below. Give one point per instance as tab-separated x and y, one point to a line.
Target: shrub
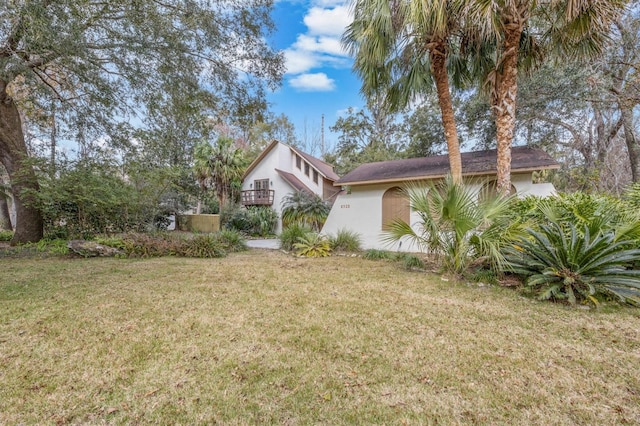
411	261
146	245
312	245
263	220
291	235
231	240
203	246
457	227
576	267
6	235
373	254
255	220
304	208
345	240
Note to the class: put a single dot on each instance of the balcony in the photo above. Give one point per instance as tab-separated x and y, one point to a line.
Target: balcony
257	197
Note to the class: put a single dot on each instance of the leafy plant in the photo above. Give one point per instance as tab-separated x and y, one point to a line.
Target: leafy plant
411	261
374	254
576	266
345	240
312	245
6	235
203	246
255	220
231	240
457	227
306	209
291	235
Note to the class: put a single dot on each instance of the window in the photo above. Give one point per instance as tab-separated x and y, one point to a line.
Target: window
298	162
261	188
315	176
306	169
395	205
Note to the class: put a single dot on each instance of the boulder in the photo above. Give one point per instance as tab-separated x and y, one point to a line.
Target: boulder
92	249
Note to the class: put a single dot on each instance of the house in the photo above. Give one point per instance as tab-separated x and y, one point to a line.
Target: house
372	195
282	169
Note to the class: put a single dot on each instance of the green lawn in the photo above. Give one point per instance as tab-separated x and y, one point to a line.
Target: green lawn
262	337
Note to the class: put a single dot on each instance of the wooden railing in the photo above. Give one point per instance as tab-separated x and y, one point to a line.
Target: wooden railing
257	197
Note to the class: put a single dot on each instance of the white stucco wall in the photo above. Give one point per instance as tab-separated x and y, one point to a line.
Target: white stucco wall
282	158
361	211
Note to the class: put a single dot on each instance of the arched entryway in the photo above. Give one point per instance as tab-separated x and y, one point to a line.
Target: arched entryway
395	205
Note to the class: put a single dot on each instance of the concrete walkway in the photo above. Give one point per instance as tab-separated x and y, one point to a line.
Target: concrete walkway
272	244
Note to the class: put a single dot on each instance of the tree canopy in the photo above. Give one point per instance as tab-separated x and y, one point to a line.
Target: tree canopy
108	63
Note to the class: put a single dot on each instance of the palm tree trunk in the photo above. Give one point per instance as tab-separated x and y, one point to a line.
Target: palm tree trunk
438	57
13	152
505	103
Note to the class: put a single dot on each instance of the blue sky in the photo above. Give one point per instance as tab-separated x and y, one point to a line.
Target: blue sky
318	79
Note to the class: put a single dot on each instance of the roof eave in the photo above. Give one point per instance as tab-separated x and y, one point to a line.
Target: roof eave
440	176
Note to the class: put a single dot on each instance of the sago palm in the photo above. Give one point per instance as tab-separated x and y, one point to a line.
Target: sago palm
576	266
399	47
457	226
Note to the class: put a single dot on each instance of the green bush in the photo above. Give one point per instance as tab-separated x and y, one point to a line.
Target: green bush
411	261
6	235
345	240
291	235
203	246
255	220
456	226
306	209
561	263
231	240
373	254
312	245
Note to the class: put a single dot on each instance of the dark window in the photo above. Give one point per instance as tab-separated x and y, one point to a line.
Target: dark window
298	162
315	176
306	169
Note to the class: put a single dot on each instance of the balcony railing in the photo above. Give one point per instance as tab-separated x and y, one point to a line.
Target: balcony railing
257	197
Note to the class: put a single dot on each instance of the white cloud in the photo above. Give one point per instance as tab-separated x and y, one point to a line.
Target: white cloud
320	46
317	82
332	22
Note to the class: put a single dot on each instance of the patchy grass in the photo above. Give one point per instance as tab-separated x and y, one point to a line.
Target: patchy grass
261	337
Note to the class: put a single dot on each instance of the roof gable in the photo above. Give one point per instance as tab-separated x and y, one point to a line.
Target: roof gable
260	157
473	163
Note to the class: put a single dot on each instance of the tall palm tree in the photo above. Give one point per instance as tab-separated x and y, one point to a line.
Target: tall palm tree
227	165
399	47
201	167
576	28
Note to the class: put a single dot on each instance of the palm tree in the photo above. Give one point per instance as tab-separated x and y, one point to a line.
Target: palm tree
574	28
202	154
458	226
399	46
227	165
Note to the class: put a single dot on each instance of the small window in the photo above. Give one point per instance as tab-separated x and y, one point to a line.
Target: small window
298	162
306	169
315	176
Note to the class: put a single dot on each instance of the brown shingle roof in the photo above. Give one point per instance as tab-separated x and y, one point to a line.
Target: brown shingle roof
473	163
325	169
294	181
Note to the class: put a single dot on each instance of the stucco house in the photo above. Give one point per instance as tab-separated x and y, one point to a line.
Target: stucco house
282	169
372	195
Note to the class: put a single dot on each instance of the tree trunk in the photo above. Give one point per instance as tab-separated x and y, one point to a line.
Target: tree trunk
505	103
5	216
438	57
13	153
631	141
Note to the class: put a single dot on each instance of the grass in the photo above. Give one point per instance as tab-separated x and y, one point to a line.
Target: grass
262	337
